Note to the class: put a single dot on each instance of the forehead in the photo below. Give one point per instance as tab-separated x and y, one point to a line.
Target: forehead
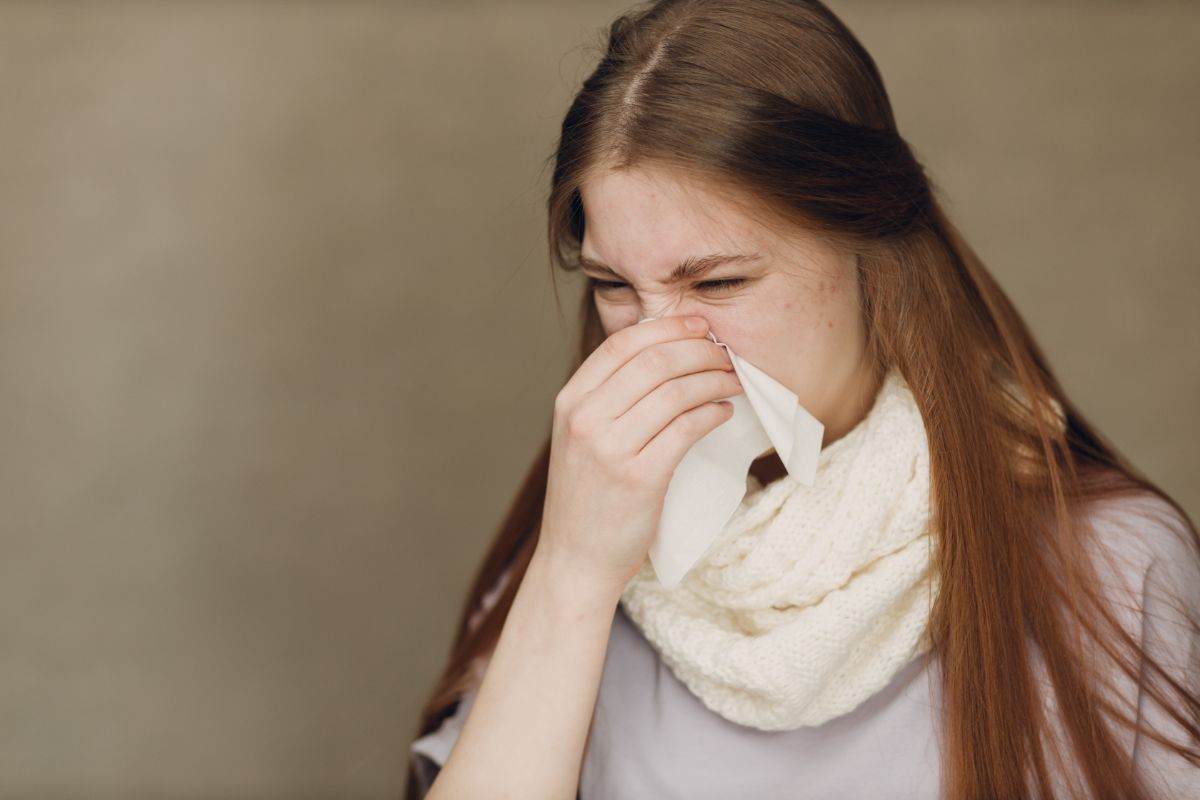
643	222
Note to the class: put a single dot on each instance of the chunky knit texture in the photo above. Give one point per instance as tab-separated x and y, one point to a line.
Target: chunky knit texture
811	598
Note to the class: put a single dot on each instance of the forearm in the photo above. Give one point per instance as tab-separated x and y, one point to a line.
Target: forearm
525	734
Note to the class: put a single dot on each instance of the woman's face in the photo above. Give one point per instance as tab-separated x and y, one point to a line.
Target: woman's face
788	306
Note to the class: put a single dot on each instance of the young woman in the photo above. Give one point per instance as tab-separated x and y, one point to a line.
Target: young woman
978	597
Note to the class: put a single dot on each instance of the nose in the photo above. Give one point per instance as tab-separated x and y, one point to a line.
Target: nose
662	304
654	312
678	307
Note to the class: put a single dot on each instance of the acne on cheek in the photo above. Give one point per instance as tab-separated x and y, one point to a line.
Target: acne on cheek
829	291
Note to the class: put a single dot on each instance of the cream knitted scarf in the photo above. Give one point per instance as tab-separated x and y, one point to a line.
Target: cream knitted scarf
811	598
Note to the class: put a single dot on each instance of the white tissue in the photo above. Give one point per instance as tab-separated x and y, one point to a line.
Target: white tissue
710	482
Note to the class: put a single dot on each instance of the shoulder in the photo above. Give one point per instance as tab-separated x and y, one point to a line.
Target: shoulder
1149	553
1146	538
1148	561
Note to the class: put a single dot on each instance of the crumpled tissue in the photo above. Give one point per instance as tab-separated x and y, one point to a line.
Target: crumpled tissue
710	481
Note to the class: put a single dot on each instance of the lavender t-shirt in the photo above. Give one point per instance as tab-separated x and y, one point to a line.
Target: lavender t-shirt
652	738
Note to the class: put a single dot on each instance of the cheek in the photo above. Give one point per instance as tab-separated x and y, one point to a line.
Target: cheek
756	320
775	338
815	317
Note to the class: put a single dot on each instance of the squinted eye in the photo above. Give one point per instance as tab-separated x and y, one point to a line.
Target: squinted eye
722	285
603	285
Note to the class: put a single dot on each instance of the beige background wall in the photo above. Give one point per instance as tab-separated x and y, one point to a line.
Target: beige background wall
277	337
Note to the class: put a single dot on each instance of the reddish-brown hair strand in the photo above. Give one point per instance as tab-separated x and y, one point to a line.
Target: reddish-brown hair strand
798	130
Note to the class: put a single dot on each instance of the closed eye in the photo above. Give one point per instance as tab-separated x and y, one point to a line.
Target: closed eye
723	284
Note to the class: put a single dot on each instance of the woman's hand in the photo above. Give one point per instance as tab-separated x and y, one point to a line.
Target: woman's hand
622	423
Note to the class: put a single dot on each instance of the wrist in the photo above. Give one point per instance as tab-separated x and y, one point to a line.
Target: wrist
571	585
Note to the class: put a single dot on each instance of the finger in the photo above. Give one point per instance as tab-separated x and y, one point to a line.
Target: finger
664	452
651	415
626	343
653	367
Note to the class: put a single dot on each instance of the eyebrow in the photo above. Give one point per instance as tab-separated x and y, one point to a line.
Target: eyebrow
689	268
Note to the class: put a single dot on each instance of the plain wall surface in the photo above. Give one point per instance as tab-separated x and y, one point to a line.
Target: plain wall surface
277	336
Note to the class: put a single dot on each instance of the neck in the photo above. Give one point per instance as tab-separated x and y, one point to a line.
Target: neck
861	396
857	402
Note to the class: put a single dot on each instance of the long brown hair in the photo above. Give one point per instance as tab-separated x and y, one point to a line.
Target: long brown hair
776	103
